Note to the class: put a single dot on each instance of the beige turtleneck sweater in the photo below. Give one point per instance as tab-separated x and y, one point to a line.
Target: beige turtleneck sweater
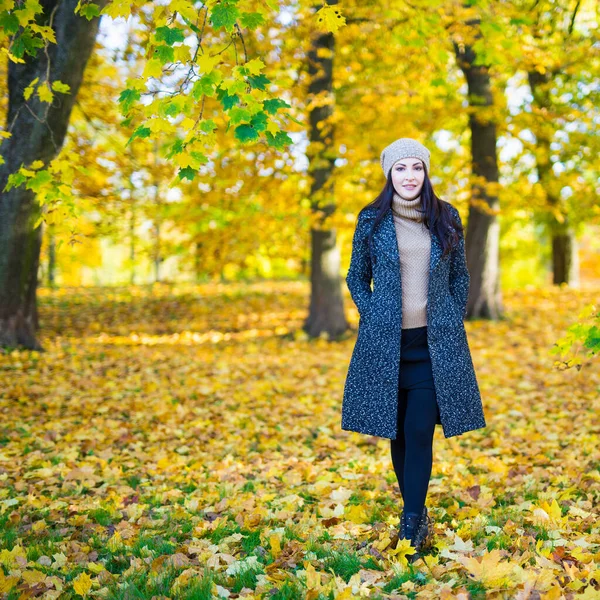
414	246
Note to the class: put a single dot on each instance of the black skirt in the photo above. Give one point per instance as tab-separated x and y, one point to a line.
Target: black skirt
415	362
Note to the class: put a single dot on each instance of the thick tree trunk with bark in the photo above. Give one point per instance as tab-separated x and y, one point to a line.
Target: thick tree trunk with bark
38	132
482	238
326	312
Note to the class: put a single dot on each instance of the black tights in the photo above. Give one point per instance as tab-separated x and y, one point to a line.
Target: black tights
412	452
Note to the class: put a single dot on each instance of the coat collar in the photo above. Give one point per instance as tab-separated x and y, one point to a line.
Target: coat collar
387	242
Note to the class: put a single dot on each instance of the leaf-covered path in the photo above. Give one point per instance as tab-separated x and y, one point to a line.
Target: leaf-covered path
185	443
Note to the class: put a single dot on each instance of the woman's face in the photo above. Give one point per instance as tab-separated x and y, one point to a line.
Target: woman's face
408	175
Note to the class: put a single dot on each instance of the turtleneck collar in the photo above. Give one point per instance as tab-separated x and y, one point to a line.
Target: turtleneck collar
408	209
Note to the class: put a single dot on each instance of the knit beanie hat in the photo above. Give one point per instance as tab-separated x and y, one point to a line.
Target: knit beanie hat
403	148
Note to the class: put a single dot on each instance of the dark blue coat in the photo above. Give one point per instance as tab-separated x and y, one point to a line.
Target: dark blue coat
370	403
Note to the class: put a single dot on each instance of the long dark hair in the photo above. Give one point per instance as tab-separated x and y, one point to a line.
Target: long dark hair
437	216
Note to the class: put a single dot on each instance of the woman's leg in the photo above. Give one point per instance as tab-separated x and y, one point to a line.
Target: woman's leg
419	427
398	445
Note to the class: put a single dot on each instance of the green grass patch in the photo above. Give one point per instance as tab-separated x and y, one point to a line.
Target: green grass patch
250	540
343	564
290	533
500	541
412	574
155	545
102	517
376	514
290	590
371	563
324	537
142	586
476	590
317	549
223	530
356	499
199	589
246	578
248	487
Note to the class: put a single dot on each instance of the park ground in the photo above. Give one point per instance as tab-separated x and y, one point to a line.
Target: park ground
185	442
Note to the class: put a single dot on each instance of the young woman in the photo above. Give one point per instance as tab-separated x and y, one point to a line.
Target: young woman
411	367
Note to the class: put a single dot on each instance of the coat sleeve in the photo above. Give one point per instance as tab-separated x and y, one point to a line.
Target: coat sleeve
359	274
459	274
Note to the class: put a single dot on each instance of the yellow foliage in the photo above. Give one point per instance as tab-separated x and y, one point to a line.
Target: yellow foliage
82	584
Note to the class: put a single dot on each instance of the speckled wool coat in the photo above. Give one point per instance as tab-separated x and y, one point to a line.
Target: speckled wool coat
370	403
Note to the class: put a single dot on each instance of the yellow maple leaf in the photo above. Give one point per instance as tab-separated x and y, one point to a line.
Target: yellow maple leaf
8	557
182	53
488	568
356	514
184	160
255	66
553	510
275	545
153	68
82	584
11	56
27	13
400	552
157	125
184	8
117	8
95	567
207	63
313	577
29	89
382	543
31	576
45	31
115	542
330	18
45	93
7	583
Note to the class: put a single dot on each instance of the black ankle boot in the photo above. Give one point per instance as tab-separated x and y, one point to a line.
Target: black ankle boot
409	529
425	532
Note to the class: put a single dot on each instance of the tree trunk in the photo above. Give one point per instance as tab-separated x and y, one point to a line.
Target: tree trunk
132	216
565	260
51	257
564	244
482	239
35	137
326	311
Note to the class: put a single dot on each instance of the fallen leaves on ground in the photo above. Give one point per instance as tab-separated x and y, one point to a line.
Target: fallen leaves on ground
185	443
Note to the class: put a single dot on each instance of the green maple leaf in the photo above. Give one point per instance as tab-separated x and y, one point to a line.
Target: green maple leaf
273	105
9	22
89	11
169	35
187	173
245	133
165	53
224	15
128	98
258	81
280	140
251	20
140	132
